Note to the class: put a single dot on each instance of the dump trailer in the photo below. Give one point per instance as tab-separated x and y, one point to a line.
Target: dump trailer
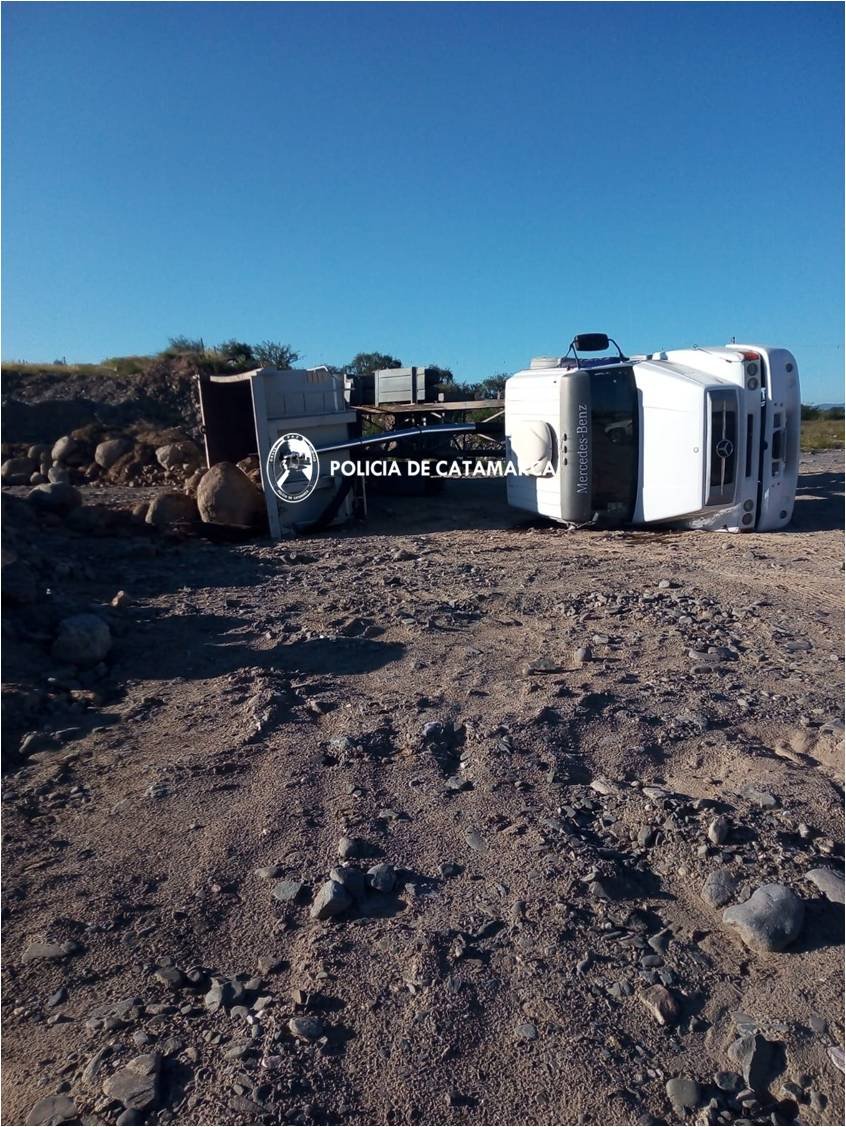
698	437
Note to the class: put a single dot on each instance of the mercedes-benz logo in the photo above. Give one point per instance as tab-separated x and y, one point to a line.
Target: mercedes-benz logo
724	448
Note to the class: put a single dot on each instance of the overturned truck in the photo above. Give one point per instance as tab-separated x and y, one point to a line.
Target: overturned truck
697	437
702	438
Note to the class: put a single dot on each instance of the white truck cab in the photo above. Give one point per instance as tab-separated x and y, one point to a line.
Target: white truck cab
699	438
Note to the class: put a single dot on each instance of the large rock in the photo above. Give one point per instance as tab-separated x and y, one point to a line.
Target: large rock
137	1085
17	471
108	452
59	475
719	888
55	497
829	882
53	1111
332	899
252	468
64	448
769	920
40	452
50	952
131	466
167	509
83	639
663	1005
756	1057
176	454
683	1091
306	1028
227	496
382	877
192	483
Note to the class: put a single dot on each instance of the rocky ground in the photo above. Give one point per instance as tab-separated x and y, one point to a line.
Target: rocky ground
445	818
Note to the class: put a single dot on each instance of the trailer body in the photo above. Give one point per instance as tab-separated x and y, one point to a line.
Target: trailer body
245	414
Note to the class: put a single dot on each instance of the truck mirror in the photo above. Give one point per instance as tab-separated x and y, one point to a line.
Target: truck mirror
590	342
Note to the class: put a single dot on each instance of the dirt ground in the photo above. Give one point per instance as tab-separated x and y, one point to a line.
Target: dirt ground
419	684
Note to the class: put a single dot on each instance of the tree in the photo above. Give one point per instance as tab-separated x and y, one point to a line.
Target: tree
237	355
442	375
366	363
445	384
494	386
270	354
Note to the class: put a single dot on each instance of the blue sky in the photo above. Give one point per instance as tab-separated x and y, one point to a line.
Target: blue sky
460	184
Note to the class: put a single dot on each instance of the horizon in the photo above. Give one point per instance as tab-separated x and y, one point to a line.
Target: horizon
460	185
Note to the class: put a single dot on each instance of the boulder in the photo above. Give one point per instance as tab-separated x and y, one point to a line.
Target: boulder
176	454
39	453
137	1085
352	880
719	888
17	471
50	952
55	497
829	882
331	899
38	478
108	452
130	466
192	482
227	496
64	448
683	1092
87	436
769	920
53	1111
382	878
59	475
83	639
756	1057
306	1028
170	508
252	468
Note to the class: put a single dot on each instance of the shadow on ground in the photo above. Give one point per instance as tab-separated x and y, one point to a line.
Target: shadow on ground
201	646
819	503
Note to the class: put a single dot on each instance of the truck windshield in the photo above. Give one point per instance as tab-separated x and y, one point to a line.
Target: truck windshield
614	441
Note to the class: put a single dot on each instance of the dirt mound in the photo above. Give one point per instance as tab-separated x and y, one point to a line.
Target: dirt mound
39	404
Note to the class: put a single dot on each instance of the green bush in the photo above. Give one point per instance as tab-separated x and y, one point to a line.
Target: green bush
183	346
